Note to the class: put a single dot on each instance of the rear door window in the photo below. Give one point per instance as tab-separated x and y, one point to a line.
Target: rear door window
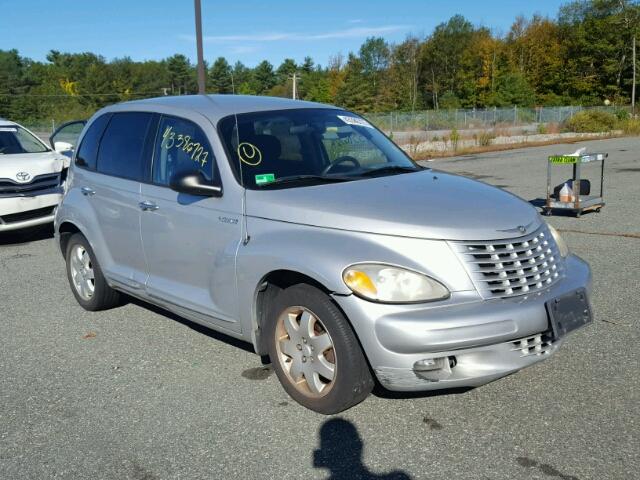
88	152
122	145
181	146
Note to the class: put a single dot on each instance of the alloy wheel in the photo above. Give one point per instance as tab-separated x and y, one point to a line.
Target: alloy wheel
306	351
82	273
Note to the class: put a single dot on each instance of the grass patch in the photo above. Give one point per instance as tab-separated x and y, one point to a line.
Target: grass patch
630	126
588	121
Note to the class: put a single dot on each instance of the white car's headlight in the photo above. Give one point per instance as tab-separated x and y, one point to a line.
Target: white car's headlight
389	284
562	245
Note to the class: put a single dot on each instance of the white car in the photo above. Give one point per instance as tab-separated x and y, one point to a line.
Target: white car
32	177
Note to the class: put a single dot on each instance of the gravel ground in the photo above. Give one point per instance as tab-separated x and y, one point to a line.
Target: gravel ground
138	393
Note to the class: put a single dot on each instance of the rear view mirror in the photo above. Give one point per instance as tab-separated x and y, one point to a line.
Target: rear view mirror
65	138
194	183
62	147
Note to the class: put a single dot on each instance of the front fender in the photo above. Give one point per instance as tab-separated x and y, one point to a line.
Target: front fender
323	253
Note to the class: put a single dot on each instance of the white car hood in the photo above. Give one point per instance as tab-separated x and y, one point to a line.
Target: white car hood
33	164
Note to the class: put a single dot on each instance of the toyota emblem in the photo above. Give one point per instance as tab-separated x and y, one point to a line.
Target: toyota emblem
23	177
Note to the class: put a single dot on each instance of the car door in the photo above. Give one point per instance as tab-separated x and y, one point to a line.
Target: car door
65	138
190	242
113	190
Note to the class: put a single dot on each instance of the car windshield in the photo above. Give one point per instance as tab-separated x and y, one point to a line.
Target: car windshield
18	140
289	148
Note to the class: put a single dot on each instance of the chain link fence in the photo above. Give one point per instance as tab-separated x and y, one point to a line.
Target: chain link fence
440	120
462	119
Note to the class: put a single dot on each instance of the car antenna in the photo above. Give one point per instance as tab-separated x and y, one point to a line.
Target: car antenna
245	232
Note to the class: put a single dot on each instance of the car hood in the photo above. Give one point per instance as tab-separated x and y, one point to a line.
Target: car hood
32	163
427	204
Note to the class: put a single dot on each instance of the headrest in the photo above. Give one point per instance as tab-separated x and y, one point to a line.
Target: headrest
268	145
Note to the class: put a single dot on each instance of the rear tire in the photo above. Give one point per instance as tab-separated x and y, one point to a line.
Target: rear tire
85	276
314	351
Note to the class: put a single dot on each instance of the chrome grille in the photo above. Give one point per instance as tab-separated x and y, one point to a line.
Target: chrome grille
41	182
539	344
506	268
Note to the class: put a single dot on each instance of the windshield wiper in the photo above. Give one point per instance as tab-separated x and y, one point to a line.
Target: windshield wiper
306	179
389	169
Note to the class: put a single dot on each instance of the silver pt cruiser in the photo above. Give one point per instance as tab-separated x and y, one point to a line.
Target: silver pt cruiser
303	229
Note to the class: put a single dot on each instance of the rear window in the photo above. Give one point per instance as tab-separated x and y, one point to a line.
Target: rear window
120	152
88	152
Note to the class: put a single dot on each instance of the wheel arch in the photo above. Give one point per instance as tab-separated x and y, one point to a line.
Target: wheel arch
266	290
65	231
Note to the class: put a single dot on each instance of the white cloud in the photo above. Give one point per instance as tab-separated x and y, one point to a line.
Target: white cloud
240	49
356	20
355	32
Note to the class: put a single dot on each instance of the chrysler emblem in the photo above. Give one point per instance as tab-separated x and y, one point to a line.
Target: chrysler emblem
519	228
23	177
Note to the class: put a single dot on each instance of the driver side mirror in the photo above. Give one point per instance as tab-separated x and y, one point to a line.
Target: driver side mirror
194	183
63	147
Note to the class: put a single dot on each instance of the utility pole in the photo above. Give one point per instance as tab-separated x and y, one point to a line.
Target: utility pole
294	78
633	85
201	89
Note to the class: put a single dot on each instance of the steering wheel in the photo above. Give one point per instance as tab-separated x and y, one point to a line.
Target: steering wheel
340	161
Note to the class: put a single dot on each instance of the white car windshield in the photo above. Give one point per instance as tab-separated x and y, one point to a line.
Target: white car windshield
14	140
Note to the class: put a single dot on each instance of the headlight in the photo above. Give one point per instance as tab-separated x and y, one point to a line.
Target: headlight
562	246
388	284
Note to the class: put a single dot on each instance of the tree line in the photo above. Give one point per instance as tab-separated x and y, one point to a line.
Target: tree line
583	56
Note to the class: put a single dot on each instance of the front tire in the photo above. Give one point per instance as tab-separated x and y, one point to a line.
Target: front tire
85	276
314	351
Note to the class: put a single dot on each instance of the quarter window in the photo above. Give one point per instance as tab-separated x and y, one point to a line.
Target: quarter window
122	145
181	146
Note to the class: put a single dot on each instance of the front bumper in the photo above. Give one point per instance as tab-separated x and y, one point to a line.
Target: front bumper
474	341
17	213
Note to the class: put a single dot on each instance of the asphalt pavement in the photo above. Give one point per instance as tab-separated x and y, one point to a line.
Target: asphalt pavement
138	393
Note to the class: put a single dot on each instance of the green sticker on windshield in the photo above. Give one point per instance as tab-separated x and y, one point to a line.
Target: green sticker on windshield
265	178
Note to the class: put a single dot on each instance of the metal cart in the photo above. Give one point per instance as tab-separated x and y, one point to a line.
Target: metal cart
583	200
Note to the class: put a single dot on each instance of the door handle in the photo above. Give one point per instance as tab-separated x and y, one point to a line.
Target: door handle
148	206
87	192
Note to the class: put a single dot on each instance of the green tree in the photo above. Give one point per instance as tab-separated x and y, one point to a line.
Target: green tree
374	57
220	76
355	93
442	56
597	37
513	90
264	78
180	71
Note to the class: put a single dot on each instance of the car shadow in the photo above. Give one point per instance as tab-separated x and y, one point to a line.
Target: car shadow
556	212
28	235
340	453
381	392
193	325
538	202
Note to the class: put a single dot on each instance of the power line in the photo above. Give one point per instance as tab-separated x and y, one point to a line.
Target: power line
77	95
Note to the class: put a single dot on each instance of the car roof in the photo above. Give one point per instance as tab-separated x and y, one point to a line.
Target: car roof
216	107
7	123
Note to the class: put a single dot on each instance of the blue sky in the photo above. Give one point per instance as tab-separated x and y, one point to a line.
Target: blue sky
245	30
